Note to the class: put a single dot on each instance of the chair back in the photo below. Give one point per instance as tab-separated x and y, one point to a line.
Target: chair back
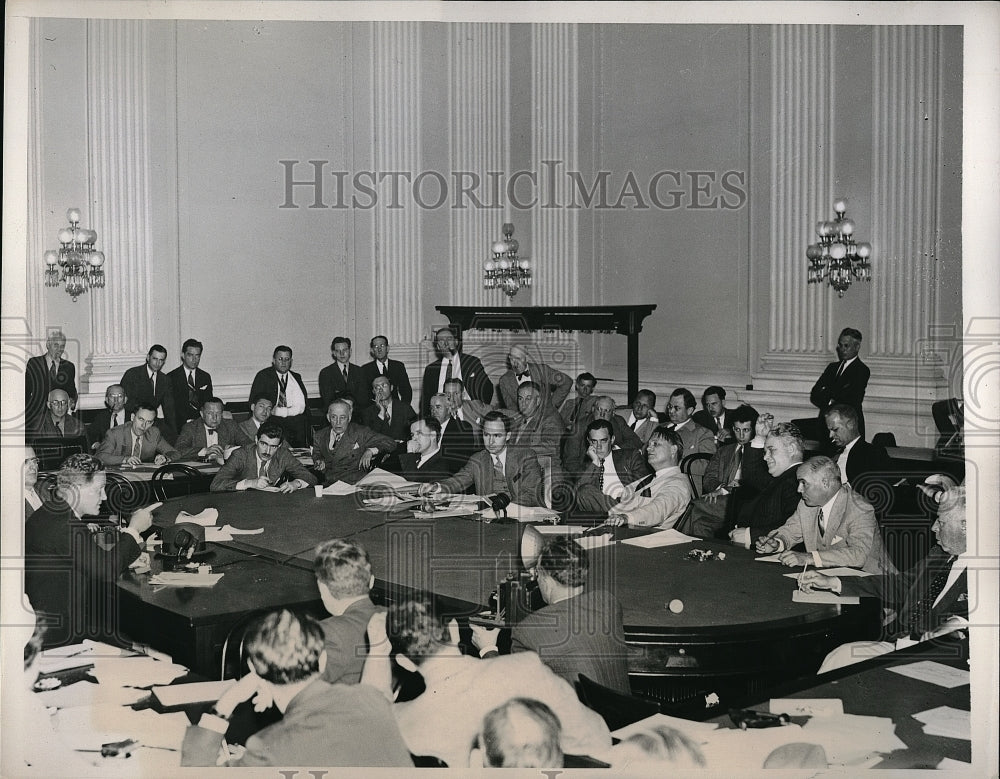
884	439
125	496
185	484
693	466
616	708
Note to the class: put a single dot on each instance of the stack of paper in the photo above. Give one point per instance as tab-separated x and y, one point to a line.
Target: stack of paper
181	579
135	671
526	513
821	596
597	541
88	729
663	538
852	739
945	721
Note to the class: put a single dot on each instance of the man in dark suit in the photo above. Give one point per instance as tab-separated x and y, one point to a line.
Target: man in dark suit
714	416
608	471
147	383
56	424
575	446
321	723
388	415
345	451
861	463
112	415
32	500
457	439
45	373
422	460
287	393
210	436
260	412
843	381
190	385
769	475
539	428
576	411
381	365
451	363
137	442
931	599
553	385
263	465
342	377
498	469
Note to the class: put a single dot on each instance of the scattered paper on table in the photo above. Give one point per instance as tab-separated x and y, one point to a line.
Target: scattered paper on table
691	728
806	707
933	672
769	558
89	728
529	513
180	579
737	749
597	541
843	571
850	739
824	597
205	517
444	511
195	692
135	671
662	538
382	477
945	721
89	694
559	530
340	488
226	533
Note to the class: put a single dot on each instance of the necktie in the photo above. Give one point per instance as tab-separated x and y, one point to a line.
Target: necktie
635	425
499	480
152	382
387	413
447	373
918	617
642	486
576	409
192	392
262	473
344	371
283	382
840	370
114	420
821	521
59	427
381	368
336	440
137	448
54	370
733	479
600	476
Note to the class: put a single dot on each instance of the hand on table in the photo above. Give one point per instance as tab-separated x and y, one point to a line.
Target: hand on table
160	459
131	462
260	483
809	581
768	544
250	686
793	559
616	520
215	452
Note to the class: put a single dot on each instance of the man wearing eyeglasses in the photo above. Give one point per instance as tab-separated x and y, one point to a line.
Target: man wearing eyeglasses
608	471
422	461
112	415
56	421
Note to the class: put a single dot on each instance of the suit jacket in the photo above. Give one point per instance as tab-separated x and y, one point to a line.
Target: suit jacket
576	412
186	407
397	374
555	386
193	437
139	390
473	412
661	503
851	539
575	446
849	388
38	384
324	725
266	383
866	463
477	381
541	432
343	462
398	429
242	464
332	386
117	445
719	471
100	423
630	466
72	427
346	639
645	430
710	423
903	592
69	574
696	439
434	468
457	445
521	471
762	502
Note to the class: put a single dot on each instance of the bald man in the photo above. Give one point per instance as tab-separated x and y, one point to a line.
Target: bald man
56	421
555	385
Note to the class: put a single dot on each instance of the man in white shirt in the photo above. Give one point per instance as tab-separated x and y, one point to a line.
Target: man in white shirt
659	500
608	471
422	461
288	394
452	364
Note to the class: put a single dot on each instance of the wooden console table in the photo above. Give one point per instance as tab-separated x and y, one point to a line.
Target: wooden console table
624	320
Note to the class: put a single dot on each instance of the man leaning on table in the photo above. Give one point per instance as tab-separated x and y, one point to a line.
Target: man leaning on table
345	451
264	465
210	435
136	442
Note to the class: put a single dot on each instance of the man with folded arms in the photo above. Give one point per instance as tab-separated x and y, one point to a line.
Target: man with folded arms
322	724
381	365
553	385
288	396
422	460
112	415
658	500
261	465
835	524
931	599
609	469
345	451
136	442
209	437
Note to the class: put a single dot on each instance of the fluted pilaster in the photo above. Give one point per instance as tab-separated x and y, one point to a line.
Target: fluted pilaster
34	281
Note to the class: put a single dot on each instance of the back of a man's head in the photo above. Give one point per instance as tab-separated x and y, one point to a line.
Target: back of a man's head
522	733
660	745
284	647
415	628
565	560
344	567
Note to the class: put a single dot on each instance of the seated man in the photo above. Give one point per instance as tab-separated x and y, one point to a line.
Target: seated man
642	419
855	457
344	451
422	461
345	579
930	599
575	446
387	415
56	423
714	416
539	429
609	469
137	442
32	500
112	415
658	500
466	410
521	733
322	724
498	469
264	465
768	492
836	525
211	436
695	438
457	437
576	411
260	411
579	631
707	515
444	720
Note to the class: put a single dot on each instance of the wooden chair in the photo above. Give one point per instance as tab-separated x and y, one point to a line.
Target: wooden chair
189	477
687	468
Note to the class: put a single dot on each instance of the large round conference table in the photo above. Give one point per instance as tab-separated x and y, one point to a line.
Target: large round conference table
738	631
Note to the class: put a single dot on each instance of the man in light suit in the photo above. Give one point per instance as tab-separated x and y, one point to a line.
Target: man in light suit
342	377
112	415
497	469
452	364
835	524
538	428
56	424
190	385
287	392
381	365
262	465
642	419
576	411
659	500
136	442
45	373
147	383
209	436
609	470
388	415
714	416
843	381
422	460
345	451
457	439
553	385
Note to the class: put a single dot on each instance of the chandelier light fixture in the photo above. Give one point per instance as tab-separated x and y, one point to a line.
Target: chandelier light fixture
76	264
506	269
838	258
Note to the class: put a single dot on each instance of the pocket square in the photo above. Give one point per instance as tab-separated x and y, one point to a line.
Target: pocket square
356	445
203	388
836	540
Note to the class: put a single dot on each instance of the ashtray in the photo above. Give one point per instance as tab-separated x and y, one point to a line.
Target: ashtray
701	555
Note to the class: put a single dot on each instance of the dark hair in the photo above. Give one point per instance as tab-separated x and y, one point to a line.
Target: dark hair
565	560
281	348
714	390
746	413
432	423
670	436
284	647
415	629
371	343
600	424
271	430
684	392
258	398
214	399
340	339
855	334
157	348
344	567
496	416
509	745
646	393
587	376
145	406
456	380
453	330
192	342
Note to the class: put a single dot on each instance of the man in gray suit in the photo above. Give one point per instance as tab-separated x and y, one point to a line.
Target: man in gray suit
137	442
555	385
264	465
210	436
345	451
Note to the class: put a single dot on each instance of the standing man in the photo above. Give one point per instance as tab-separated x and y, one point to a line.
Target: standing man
148	383
263	465
288	396
112	415
381	365
56	423
342	377
210	436
609	469
714	416
554	385
137	442
190	385
843	381
45	373
346	451
452	364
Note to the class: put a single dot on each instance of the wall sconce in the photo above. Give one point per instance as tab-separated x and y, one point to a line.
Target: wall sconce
837	258
506	269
